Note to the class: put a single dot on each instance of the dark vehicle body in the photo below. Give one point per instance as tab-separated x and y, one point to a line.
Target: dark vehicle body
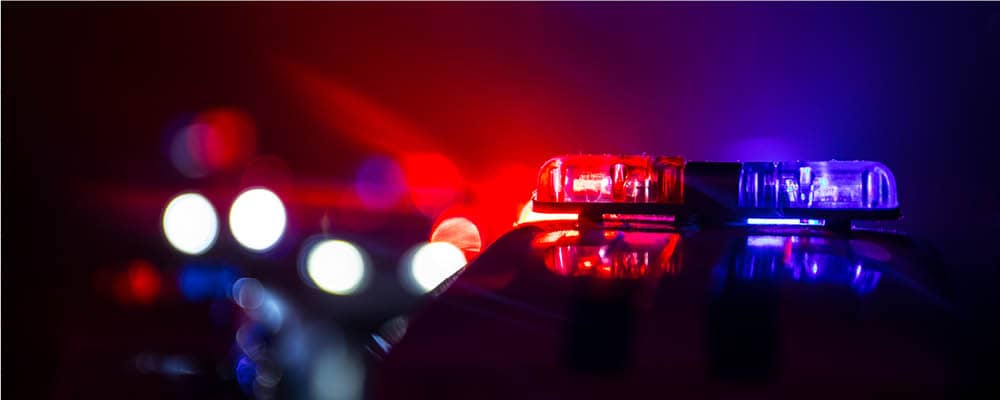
557	310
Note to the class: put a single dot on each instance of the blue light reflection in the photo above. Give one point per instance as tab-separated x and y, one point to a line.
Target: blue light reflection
246	373
804	259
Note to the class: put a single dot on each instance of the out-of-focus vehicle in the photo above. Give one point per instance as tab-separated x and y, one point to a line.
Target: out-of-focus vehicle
657	276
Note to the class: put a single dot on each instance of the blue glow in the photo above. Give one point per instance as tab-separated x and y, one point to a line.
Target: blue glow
271	312
177	366
854	185
810	260
263	307
785	221
866	283
246	373
200	282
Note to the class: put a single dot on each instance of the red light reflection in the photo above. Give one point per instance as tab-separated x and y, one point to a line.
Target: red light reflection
618	256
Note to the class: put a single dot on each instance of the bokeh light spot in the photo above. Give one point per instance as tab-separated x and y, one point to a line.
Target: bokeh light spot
336	373
461	232
144	280
190	223
248	293
336	266
140	284
246	373
215	140
432	263
232	138
257	219
380	183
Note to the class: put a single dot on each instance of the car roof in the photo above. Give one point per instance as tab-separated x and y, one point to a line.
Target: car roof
728	309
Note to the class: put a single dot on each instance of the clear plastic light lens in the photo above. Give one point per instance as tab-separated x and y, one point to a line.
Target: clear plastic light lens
608	178
817	184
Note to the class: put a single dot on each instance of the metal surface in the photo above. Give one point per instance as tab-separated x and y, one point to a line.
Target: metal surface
732	316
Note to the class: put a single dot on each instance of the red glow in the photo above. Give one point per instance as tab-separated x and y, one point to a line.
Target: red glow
667	263
358	116
528	215
434	182
214	141
139	284
267	171
787	253
230	139
497	193
343	209
491	192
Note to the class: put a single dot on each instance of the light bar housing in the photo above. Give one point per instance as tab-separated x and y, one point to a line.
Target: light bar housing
716	192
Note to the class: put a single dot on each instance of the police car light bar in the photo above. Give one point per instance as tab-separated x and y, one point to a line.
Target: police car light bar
755	193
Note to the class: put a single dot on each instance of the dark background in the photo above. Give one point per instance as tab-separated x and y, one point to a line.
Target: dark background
90	92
